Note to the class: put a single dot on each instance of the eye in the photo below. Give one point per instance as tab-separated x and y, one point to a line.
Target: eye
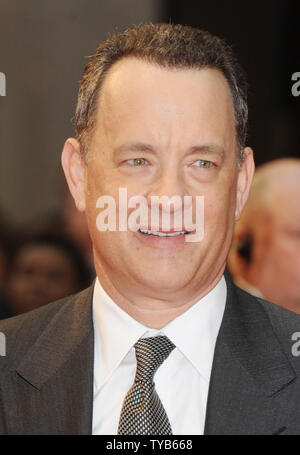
137	162
203	163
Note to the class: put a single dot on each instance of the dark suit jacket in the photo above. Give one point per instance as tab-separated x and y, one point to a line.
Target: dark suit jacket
46	377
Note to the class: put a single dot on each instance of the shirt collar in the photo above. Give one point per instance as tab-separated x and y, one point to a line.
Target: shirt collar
194	333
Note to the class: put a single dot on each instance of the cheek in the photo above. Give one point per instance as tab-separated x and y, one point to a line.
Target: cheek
220	209
109	183
62	288
286	251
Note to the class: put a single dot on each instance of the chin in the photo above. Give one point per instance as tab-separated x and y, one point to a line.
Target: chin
164	284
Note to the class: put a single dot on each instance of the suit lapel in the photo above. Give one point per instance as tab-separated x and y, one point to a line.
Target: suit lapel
54	381
249	371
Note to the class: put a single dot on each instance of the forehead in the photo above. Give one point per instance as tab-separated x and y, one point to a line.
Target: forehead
32	253
136	87
286	194
131	75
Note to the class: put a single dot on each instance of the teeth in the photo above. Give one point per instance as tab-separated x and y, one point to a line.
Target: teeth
161	234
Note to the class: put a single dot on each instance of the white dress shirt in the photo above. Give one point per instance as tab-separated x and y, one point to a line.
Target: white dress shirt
181	382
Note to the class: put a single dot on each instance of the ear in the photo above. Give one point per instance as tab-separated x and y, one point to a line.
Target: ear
244	181
74	170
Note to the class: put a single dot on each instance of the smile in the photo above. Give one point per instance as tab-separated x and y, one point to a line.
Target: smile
162	234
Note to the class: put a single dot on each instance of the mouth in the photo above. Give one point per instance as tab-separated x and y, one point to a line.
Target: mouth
159	239
163	234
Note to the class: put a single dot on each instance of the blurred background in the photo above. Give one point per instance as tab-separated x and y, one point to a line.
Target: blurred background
44	46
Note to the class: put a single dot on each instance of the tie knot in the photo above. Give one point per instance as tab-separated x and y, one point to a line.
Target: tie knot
150	354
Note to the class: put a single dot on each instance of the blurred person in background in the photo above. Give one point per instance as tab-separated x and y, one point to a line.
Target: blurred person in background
265	254
44	268
69	223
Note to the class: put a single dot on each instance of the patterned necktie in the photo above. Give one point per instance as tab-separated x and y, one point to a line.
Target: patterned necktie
142	412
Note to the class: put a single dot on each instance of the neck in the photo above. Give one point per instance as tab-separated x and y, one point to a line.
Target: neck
152	312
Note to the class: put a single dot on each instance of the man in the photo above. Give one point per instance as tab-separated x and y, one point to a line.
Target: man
265	256
162	343
44	268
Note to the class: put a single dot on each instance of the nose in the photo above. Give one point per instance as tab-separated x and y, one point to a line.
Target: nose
169	185
38	281
167	198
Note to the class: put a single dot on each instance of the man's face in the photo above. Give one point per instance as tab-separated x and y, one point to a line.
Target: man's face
162	132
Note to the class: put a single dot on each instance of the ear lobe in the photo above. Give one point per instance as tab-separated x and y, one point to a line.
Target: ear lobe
244	182
74	170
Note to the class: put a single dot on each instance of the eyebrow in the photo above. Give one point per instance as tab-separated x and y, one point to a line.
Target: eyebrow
144	147
208	149
134	147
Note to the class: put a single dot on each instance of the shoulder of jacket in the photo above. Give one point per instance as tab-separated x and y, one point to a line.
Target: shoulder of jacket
21	332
